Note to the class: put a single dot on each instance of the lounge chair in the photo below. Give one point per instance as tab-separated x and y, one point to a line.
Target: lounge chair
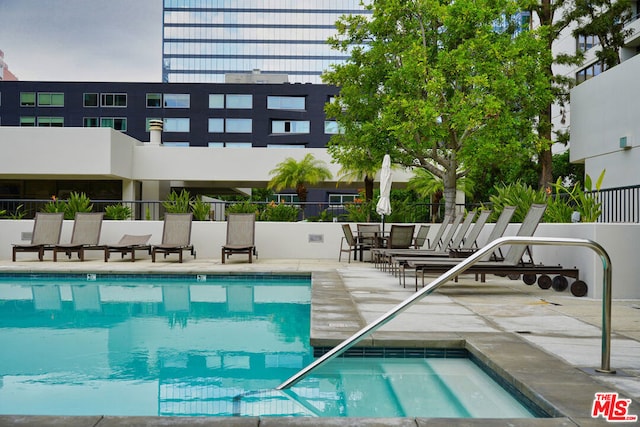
46	233
453	239
513	263
399	259
176	236
129	244
241	233
85	235
351	241
422	236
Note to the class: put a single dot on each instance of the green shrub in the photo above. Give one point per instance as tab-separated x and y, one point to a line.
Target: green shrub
518	194
117	212
200	209
279	212
54	205
243	207
77	202
18	214
178	203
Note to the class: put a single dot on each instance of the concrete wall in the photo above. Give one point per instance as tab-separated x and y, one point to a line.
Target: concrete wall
602	112
316	240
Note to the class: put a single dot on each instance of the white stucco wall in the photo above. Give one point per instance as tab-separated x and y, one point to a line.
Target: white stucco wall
602	111
285	240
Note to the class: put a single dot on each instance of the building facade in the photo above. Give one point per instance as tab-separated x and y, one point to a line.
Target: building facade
204	40
196	115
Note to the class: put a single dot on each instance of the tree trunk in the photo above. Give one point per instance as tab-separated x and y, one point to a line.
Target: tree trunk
368	188
545	157
450	181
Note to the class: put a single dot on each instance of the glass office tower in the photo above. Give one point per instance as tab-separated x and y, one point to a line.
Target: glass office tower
204	40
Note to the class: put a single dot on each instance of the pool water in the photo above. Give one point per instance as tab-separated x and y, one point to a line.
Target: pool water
207	346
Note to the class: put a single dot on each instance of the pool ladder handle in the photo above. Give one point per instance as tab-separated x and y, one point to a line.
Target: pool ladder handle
605	366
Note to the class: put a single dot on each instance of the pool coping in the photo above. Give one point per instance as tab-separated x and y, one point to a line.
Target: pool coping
562	390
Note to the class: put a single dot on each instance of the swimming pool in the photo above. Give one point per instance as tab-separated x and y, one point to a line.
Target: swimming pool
208	345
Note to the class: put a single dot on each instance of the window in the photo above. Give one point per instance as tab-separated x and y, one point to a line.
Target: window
27	99
216	125
154	100
28	121
56	122
90	99
230	145
216	101
117	123
589	72
176	125
341	199
286	102
51	99
331	127
284	198
177	100
240	101
113	99
584	43
286	146
90	122
175	144
239	125
290	126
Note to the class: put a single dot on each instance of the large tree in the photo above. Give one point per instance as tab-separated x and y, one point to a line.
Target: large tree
437	84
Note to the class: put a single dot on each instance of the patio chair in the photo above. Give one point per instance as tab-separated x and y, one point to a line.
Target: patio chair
85	235
46	233
241	233
128	244
513	263
400	237
351	241
369	236
176	236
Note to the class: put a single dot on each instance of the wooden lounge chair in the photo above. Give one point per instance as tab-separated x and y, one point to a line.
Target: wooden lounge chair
241	232
46	233
176	236
129	244
85	235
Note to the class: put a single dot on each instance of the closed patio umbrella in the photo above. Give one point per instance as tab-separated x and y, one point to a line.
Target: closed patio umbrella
384	204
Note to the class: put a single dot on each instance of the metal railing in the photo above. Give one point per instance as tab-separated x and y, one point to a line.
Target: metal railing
605	366
621	204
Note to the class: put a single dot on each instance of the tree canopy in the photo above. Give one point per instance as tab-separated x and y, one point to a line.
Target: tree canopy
443	86
291	173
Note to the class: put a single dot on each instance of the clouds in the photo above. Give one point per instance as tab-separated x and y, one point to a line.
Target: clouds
82	40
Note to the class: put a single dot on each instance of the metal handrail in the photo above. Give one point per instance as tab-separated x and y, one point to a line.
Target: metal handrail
460	268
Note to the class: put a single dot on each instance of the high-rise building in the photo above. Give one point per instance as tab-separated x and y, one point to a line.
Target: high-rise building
204	40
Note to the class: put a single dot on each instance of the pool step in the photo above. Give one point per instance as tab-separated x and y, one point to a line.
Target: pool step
362	385
476	392
421	391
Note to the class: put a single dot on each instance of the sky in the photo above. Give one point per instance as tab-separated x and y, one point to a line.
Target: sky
82	40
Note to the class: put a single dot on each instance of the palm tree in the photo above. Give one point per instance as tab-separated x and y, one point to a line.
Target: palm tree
425	184
291	173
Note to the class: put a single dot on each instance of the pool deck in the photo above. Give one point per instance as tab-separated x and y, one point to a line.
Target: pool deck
546	344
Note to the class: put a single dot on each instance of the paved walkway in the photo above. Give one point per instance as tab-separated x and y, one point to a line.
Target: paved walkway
547	343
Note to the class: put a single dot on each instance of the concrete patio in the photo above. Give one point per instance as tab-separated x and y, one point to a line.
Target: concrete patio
544	343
